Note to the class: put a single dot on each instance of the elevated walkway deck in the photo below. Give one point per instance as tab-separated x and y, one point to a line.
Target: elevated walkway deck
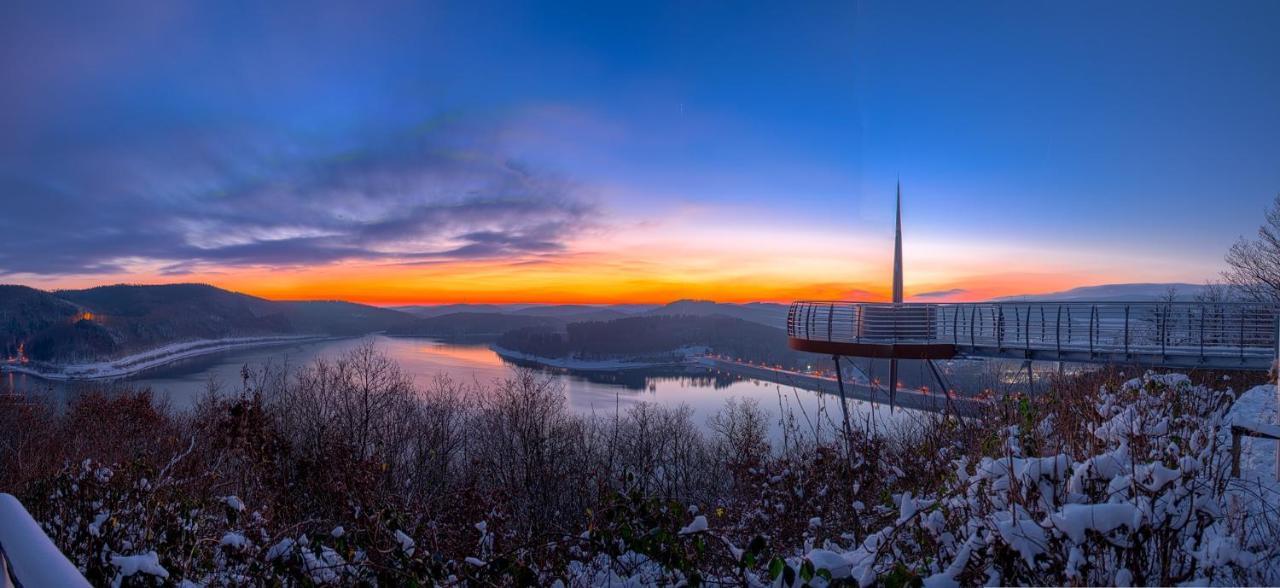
1188	335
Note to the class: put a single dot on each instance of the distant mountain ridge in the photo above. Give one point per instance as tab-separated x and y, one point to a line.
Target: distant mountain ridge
1138	292
564	310
764	313
488	322
110	321
429	310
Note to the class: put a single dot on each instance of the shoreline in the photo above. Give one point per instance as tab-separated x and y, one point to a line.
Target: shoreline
854	390
136	363
608	365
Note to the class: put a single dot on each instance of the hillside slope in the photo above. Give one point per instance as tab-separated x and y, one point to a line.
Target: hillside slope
25	312
111	321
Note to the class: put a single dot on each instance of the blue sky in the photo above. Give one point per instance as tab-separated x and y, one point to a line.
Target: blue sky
678	148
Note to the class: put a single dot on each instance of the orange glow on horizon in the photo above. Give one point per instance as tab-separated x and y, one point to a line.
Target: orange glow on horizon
657	265
495	284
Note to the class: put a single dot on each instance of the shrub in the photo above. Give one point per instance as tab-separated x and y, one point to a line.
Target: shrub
344	472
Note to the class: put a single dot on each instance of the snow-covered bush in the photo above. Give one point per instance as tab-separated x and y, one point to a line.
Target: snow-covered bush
346	473
1147	501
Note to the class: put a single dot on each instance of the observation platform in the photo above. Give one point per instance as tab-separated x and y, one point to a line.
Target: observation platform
1188	335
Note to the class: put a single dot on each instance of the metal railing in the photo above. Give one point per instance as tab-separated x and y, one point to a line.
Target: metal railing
1184	333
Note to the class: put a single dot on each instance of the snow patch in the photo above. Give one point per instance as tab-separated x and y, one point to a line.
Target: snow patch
143	563
698	525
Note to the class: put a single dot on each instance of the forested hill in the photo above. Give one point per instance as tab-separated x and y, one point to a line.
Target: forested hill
488	322
473	326
649	335
109	321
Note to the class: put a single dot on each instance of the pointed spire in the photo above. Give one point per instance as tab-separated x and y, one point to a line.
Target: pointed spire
897	251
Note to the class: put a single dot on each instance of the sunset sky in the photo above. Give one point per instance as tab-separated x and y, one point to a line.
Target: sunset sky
599	152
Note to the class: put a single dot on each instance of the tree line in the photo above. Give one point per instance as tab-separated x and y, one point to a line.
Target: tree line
652	335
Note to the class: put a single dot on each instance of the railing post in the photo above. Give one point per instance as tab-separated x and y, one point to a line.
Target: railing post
831	314
973	312
1044	325
859	318
955	326
1164	331
1126	331
1275	366
1017	321
800	310
1026	334
1070	337
1057	333
1242	313
799	324
1202	309
999	316
1187	335
1093	316
804	319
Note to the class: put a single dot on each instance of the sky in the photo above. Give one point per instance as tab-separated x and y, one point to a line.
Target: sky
601	152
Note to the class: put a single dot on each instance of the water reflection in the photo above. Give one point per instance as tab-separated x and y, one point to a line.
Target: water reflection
642	379
182	384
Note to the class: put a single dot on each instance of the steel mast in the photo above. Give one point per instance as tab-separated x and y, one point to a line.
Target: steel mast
897	290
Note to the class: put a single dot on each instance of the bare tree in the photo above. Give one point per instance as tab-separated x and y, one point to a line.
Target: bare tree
1215	291
1211	316
1255	263
1166	324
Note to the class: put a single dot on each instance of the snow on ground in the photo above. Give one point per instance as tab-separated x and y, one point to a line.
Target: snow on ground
1257	490
1257	456
132	364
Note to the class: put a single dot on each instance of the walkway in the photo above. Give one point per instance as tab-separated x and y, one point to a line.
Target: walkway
1241	336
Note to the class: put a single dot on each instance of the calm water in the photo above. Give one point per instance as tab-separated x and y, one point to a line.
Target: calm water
183	383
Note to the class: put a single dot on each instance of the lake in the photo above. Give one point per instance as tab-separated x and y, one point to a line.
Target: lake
183	383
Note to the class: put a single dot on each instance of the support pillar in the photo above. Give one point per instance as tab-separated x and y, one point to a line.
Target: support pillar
844	408
1031	381
942	385
893	382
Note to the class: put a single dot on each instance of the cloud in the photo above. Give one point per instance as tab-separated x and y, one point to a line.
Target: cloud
196	201
167	139
941	293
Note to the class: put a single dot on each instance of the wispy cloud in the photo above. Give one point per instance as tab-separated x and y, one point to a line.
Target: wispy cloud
941	293
437	196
